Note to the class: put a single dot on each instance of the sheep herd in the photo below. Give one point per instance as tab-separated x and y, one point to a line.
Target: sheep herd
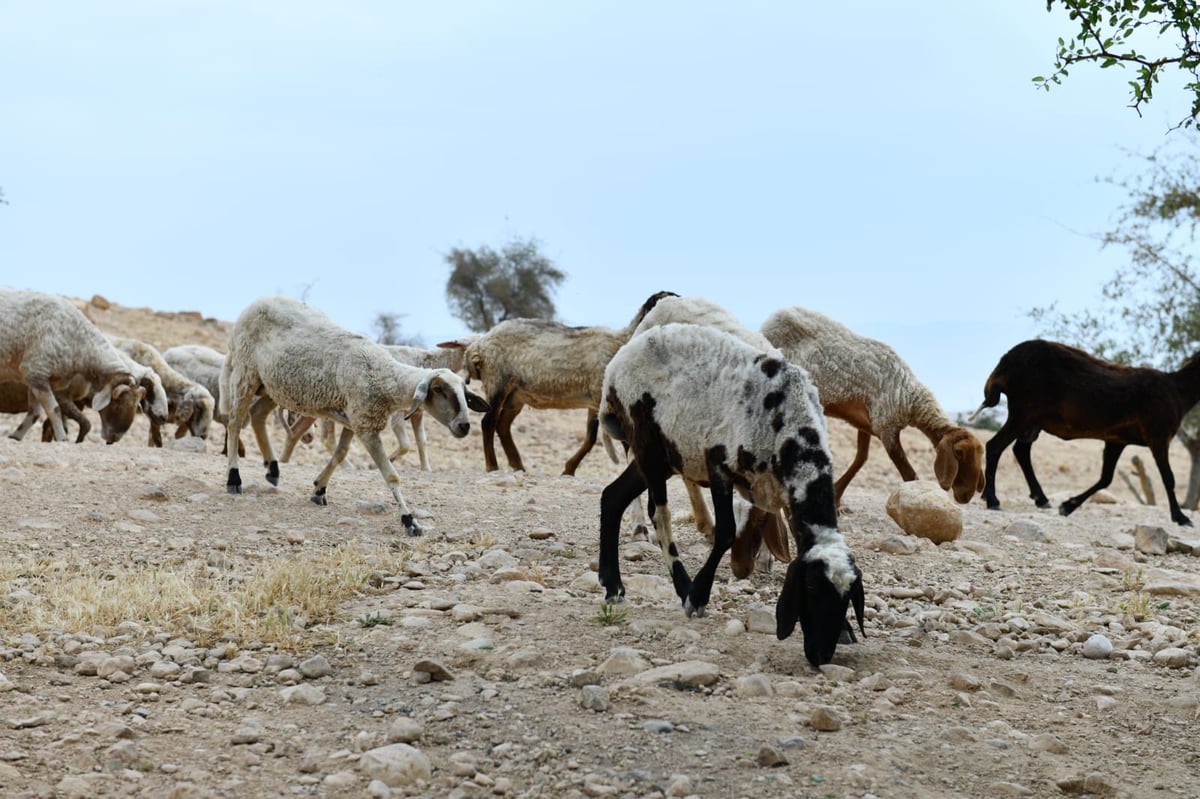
685	388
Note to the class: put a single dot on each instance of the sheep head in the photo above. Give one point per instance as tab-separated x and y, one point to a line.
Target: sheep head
958	464
119	409
819	588
447	398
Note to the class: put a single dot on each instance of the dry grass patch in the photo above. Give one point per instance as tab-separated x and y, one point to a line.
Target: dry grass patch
276	603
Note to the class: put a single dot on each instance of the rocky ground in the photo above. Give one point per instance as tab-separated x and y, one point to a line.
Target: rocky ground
477	660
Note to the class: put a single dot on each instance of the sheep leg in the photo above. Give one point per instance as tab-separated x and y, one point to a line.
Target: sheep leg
294	433
488	424
35	413
892	446
1021	451
861	452
417	420
504	432
155	439
704	522
48	402
374	445
241	390
615	498
400	431
338	455
656	473
71	411
1112	452
724	529
589	441
1159	451
260	411
993	450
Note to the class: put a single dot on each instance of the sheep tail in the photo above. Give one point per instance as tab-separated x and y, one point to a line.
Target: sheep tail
991	397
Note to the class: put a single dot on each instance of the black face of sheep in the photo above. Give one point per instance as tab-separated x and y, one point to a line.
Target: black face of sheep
811	598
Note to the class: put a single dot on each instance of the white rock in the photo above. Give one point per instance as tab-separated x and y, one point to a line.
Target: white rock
1173	657
623	661
396	765
1097	647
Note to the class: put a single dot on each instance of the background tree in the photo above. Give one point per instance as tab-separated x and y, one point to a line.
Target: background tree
1111	31
1149	313
387	328
486	287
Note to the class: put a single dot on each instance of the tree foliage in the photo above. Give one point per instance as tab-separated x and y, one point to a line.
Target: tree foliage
1149	313
388	329
1112	32
486	287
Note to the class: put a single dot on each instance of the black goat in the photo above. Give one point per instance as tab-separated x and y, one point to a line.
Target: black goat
1071	394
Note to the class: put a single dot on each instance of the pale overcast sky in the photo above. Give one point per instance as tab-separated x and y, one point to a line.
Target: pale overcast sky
890	164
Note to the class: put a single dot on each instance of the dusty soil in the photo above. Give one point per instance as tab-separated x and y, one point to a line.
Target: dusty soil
971	680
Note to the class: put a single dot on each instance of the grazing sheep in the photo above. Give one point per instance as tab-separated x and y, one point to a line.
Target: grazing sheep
694	401
115	418
438	358
189	404
544	365
203	365
864	382
45	342
700	311
286	353
1071	394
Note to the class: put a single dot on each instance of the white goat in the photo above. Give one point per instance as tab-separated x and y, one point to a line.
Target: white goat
864	382
286	353
694	401
45	342
189	404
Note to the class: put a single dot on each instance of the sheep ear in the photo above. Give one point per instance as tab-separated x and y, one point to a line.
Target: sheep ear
455	343
476	402
980	484
859	600
791	600
102	398
419	396
945	465
776	537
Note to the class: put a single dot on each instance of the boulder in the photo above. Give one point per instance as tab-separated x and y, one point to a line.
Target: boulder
922	508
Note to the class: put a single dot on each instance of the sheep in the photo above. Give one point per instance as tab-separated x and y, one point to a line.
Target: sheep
701	311
287	353
438	358
866	383
203	365
544	365
115	418
698	402
1072	394
189	404
45	342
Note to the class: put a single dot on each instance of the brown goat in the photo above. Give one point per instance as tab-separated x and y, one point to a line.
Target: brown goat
1071	394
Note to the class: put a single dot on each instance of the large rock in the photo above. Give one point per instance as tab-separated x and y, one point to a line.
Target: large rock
396	765
922	508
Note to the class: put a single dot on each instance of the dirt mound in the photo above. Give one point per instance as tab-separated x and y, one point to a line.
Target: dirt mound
163	329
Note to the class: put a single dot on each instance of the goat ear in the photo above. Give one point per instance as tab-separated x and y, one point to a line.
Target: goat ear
791	600
945	464
476	402
419	396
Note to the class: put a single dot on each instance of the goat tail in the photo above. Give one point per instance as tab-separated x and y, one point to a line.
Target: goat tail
991	397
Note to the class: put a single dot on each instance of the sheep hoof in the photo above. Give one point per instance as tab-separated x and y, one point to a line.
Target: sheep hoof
410	525
1045	503
615	599
318	497
1065	509
233	485
640	533
1183	521
691	610
273	473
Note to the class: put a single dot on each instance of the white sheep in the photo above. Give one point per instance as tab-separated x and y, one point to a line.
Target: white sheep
694	401
189	404
115	418
203	364
436	358
545	365
45	342
701	311
286	353
864	382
